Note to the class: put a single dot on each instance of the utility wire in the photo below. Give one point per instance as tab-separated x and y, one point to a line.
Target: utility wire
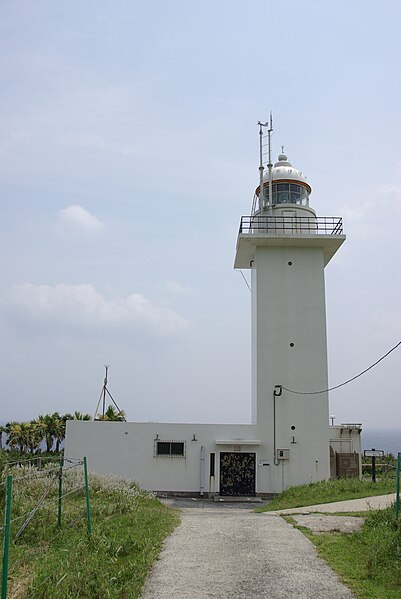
43	474
246	282
43	505
34	459
345	382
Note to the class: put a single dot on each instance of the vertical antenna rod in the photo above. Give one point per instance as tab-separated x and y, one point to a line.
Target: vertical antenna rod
104	391
261	167
270	165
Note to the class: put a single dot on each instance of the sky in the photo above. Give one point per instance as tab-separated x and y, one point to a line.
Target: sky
128	154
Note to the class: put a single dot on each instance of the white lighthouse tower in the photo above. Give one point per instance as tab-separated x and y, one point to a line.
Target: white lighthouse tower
286	247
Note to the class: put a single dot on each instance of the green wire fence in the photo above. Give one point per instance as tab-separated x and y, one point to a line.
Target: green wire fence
41	496
397	493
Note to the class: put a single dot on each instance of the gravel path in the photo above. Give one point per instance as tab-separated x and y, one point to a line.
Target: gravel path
326	523
238	554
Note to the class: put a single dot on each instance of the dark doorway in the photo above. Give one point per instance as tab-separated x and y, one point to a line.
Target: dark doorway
237	474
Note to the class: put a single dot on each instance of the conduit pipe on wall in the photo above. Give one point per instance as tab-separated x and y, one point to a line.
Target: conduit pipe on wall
278	390
202	470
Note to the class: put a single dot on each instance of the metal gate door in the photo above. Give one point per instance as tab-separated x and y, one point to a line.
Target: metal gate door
237	474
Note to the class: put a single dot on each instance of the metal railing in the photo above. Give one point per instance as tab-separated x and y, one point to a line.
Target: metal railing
291	225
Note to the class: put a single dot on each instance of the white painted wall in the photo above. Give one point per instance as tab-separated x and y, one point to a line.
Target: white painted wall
127	449
289	307
345	438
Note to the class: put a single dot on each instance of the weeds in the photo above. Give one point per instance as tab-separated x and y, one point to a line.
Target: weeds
128	528
369	561
327	491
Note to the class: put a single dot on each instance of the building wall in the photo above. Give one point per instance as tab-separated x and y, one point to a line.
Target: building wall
127	449
345	438
289	307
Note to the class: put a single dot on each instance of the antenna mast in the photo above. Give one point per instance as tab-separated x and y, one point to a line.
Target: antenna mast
261	167
269	164
104	390
103	396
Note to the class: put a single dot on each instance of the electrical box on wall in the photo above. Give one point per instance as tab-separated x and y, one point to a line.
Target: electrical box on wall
283	454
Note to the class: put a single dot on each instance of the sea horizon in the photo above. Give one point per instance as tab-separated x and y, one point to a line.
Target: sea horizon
387	439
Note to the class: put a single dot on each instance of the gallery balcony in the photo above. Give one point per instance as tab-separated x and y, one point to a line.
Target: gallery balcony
325	232
290	225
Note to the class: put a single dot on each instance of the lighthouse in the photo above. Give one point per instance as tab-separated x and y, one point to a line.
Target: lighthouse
286	246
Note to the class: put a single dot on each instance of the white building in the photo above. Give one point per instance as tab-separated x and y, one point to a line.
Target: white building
286	247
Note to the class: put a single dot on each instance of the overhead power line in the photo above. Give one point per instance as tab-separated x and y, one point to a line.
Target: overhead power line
246	282
345	382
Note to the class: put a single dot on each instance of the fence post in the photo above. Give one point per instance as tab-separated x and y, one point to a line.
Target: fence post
88	507
397	496
60	492
6	543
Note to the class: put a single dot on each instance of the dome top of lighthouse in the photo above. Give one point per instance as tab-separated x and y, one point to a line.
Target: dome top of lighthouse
284	171
282	160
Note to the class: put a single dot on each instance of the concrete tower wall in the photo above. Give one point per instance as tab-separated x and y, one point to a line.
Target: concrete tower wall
289	308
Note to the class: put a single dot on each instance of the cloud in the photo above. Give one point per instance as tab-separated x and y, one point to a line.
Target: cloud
80	306
393	189
369	216
175	287
102	144
78	219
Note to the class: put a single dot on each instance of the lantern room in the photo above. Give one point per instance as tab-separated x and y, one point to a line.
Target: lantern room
288	185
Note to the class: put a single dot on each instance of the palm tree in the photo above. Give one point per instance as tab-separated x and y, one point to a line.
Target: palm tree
50	424
112	414
80	416
17	435
34	435
2	430
58	430
45	423
76	416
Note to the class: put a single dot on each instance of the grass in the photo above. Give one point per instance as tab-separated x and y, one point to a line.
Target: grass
368	561
128	529
328	491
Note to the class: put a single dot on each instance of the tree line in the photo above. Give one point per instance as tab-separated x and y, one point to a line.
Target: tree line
27	437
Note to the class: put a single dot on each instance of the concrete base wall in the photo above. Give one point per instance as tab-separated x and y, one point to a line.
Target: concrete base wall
127	449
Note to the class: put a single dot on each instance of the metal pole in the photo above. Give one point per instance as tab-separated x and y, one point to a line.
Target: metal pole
6	543
104	391
60	492
397	496
270	165
373	467
88	506
261	168
202	471
278	391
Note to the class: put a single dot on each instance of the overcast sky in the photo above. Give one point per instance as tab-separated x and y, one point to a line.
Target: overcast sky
129	152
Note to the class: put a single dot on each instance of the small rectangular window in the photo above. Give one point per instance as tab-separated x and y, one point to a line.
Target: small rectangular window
177	448
163	448
172	449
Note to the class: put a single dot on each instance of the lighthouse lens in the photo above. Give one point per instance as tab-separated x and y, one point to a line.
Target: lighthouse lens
289	193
